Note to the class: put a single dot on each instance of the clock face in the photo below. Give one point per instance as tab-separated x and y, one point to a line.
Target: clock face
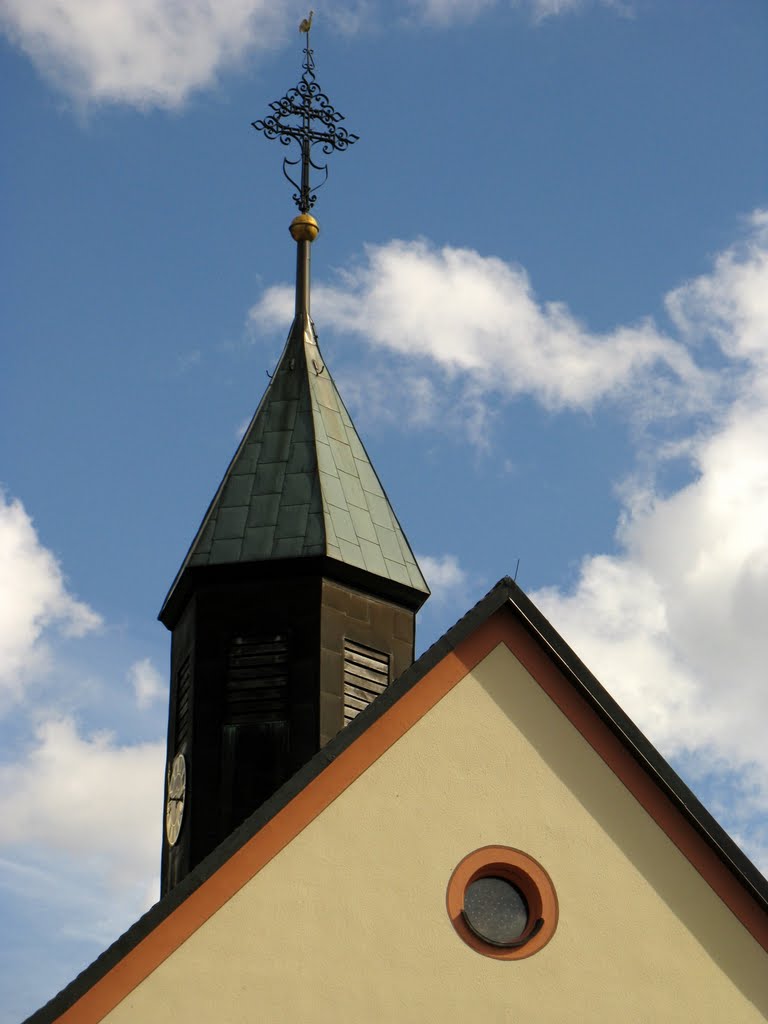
174	807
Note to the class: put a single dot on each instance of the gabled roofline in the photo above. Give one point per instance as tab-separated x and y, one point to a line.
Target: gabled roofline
505	595
641	748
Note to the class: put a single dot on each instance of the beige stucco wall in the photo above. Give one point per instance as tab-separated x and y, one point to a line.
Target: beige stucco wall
348	923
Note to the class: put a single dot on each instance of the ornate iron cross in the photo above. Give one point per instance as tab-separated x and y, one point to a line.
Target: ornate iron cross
305	114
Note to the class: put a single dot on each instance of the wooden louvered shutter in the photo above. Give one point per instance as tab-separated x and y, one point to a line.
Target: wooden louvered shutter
366	675
257	679
183	681
255	732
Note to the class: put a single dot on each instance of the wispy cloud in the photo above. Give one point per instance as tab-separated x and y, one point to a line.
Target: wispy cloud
79	824
673	624
145	53
156	53
148	685
478	319
35	603
76	806
86	796
451	12
443	573
86	810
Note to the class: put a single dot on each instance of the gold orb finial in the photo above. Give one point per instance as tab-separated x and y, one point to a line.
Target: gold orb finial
304	228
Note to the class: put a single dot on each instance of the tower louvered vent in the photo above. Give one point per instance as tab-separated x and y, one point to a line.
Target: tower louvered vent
255	735
366	675
257	679
183	681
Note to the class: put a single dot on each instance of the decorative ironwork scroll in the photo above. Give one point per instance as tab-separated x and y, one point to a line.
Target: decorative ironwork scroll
306	115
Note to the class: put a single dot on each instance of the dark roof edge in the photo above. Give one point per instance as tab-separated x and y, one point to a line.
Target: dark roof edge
426	591
173	899
641	748
195	577
297	324
504	593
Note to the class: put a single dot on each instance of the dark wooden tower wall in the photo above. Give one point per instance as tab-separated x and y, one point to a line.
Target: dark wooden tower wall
365	643
267	666
295	605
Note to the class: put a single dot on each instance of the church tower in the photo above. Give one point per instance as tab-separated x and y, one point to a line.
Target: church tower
295	605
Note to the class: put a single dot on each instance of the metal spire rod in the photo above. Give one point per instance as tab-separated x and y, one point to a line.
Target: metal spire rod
305	114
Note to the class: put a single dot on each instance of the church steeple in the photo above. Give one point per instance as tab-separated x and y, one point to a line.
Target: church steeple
295	605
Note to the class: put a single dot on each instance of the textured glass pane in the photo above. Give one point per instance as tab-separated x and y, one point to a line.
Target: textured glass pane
496	910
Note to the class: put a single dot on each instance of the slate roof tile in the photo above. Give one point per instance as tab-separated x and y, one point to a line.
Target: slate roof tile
301	482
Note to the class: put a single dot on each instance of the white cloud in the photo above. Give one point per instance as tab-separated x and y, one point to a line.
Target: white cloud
730	306
34	602
89	799
148	685
242	426
80	828
449	12
80	815
674	624
412	397
477	318
542	9
443	574
155	53
141	52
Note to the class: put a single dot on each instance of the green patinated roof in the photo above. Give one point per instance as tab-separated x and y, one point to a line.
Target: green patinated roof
301	482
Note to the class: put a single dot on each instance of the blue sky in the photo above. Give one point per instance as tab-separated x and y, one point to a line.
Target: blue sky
542	286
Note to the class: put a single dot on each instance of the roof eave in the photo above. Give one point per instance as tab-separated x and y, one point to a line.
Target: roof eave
193	577
506	594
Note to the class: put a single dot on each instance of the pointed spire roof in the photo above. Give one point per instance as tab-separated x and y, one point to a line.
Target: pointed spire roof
301	483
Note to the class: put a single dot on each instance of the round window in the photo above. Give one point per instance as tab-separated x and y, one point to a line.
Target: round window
495	910
502	903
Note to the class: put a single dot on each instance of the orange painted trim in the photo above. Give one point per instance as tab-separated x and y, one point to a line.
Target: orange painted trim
647	793
529	877
258	851
501	627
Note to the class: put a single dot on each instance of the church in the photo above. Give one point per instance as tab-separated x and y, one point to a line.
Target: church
479	835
